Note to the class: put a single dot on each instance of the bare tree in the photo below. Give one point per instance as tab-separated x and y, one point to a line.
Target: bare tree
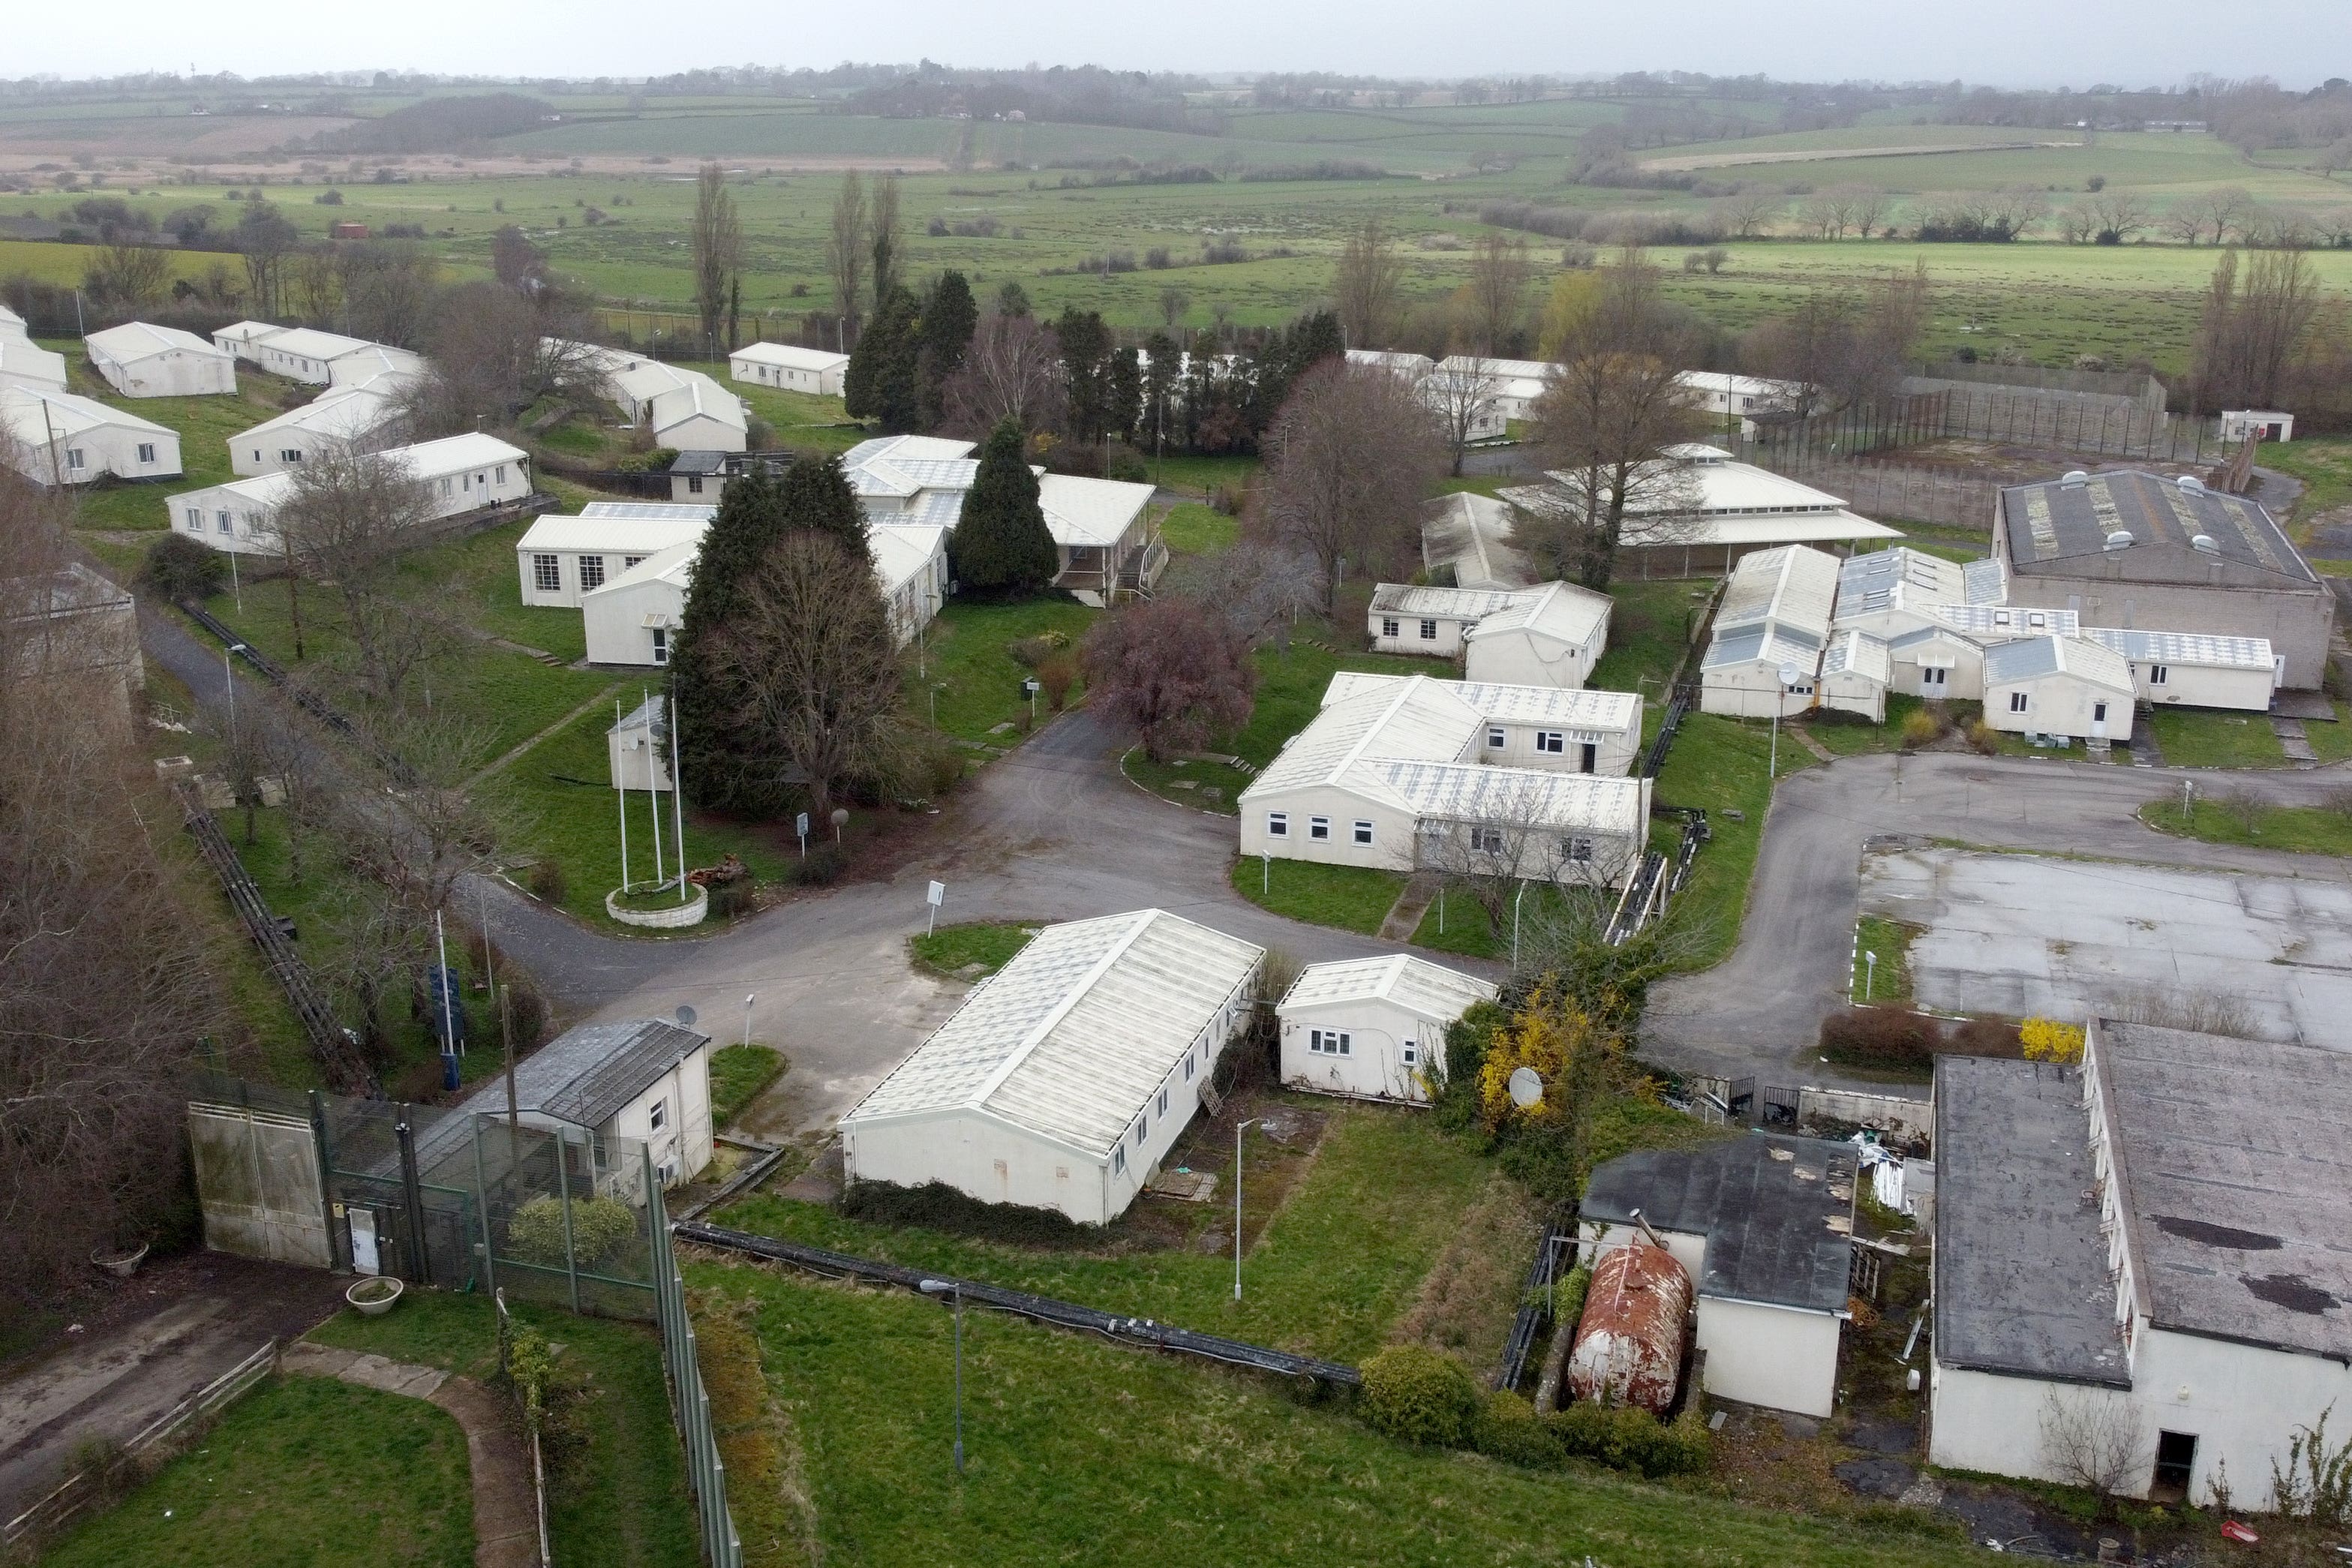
845	251
1169	670
1011	370
388	292
718	235
1349	458
130	276
495	353
2183	221
2253	330
1366	284
1463	394
1515	839
1256	588
2222	208
1872	206
816	667
345	522
2093	1439
1173	304
883	239
315	284
1499	287
1749	211
2119	215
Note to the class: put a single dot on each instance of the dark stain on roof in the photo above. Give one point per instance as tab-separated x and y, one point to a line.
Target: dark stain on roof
2291	1291
2213	1235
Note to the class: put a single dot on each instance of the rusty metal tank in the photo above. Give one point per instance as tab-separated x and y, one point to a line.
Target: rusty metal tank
1628	1343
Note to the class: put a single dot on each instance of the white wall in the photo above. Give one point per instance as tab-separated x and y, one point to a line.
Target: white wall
1525	657
684	1092
1689	1248
614	622
487	484
1782	1358
825	383
2057	704
175	372
1444	644
1853	693
1380	1033
1615	751
1391	848
701	433
633	762
2202	686
109	449
568	592
1963	661
1751	691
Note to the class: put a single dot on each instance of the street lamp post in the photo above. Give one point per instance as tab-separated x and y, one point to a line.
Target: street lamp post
1790	676
754	996
1515	924
1237	1204
954	1288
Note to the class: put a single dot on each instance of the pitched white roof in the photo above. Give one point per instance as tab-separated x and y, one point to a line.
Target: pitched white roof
1998	623
451	454
633	535
309	343
2079	656
1583	707
68	414
674	566
901	554
1471	533
1396	362
1441	603
1415	716
1858	652
263	494
902	466
1718	502
1792	587
376	361
1072	1039
1427	990
247	332
696	511
1564	611
1083	511
2203	649
339	413
141	340
1529	797
24	362
790	355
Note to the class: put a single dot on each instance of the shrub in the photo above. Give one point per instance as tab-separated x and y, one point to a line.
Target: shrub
1626	1437
932	767
1057	675
822	867
2052	1040
1568	1296
181	568
600	1227
1420	1396
935	1206
1920	728
1882	1037
1983	1037
1029	652
1983	737
549	885
1506	1428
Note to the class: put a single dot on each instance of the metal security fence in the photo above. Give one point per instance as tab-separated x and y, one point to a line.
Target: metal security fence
690	1405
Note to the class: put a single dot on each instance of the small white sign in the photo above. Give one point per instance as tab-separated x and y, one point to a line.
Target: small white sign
938	893
800	825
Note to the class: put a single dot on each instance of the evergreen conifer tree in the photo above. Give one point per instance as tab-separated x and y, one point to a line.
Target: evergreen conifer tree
881	383
751	521
814	497
950	317
1001	545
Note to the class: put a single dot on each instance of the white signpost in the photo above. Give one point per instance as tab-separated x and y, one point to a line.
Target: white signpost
938	891
800	826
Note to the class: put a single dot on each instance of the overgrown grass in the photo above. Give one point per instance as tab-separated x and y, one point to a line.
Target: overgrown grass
738	1073
1719	764
1193	529
2213	738
1648	631
299	1472
1890	982
622	1501
2301	829
1353	898
977	681
952	949
1468	932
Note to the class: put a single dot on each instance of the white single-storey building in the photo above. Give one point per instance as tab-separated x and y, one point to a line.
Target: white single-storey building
302	353
2195	669
63	438
243	339
911	478
1771	628
1764	1226
24	362
1408	617
2152	1246
636	749
1405	366
461	474
1373	1028
1064	1080
75	636
1378	780
1727	397
1856	668
1577	730
139	360
560	558
643	1078
2262	424
1549	635
341	415
376	363
1518	383
1466	402
679	408
910	566
1102	530
2059	686
632	619
789	367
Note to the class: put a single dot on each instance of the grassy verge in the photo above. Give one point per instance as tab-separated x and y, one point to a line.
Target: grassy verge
1331	1274
738	1073
1080	1451
1648	631
1193	529
1466	930
2301	829
976	684
1890	981
954	950
2211	738
1719	764
620	1497
2330	742
1848	737
296	1474
1353	898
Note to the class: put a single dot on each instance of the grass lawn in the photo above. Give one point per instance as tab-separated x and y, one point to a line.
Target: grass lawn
2303	829
1353	898
1192	529
978	682
1080	1451
1331	1274
298	1473
1647	634
621	1501
2330	742
1201	476
2212	737
1848	736
1467	930
2324	466
1891	941
204	425
738	1073
1719	764
988	943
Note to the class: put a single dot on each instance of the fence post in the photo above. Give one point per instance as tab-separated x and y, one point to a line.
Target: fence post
338	1261
412	1196
563	1191
482	1199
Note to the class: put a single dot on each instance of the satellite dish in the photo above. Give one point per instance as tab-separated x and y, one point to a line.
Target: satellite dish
685	1017
1526	1087
1790	675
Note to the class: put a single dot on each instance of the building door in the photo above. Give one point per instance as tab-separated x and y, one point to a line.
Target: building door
2176	1462
2098	720
1934	681
1589	757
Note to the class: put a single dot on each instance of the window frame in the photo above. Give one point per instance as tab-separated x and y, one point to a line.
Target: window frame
1428	630
2017	702
1319	829
546	573
1496	737
1485	840
1552	743
591	571
661	645
1360	834
146	451
658	1115
1321	1042
1277	824
2160	674
1390	626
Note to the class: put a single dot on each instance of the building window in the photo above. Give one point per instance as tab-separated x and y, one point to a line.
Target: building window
1142	1126
2017	701
658	1117
196	520
1496	739
224	523
1429	631
592	571
146	451
1277	824
694	484
2098	712
1318	827
1364	833
1934	677
547	574
1551	741
74	458
1188	1067
1389	626
631	562
290	455
661	646
1163	1099
502	473
1118	1159
1412	1054
1577	849
1487	840
1329	1042
2159	674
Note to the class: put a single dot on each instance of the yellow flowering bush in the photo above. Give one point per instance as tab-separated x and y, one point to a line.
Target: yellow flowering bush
2050	1040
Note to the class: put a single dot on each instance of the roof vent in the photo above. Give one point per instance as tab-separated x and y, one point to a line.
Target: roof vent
2191	483
2204	542
2121	539
2074	476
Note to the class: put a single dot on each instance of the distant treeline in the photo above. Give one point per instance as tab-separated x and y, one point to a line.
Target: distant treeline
440	124
1085	95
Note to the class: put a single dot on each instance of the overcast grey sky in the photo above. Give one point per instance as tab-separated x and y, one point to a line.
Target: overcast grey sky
2005	42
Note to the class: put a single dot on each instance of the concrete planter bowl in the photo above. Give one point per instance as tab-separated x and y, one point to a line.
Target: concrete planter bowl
657	916
120	1263
376	1295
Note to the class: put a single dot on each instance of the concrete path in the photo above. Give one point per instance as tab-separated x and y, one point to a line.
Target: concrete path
506	1508
1412	901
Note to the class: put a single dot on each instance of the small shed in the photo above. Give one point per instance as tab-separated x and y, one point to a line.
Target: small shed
637	748
1408	617
1764	1225
2071	686
2262	424
789	367
1856	670
1063	1081
1373	1028
139	360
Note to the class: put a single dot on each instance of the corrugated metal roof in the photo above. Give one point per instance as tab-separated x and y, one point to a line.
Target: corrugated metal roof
1573	614
696	512
309	343
1415	717
2195	649
630	535
1858	652
582	1076
1445	604
1089	512
1999	622
2065	527
344	413
1580	709
1793	587
2029	658
1529	797
1430	991
427	459
1073	1037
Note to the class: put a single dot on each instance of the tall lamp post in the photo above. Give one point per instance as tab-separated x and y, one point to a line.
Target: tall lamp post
954	1288
1790	676
1237	1204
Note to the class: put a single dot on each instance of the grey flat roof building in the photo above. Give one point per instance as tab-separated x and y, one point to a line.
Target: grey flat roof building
1777	1213
2066	527
582	1076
